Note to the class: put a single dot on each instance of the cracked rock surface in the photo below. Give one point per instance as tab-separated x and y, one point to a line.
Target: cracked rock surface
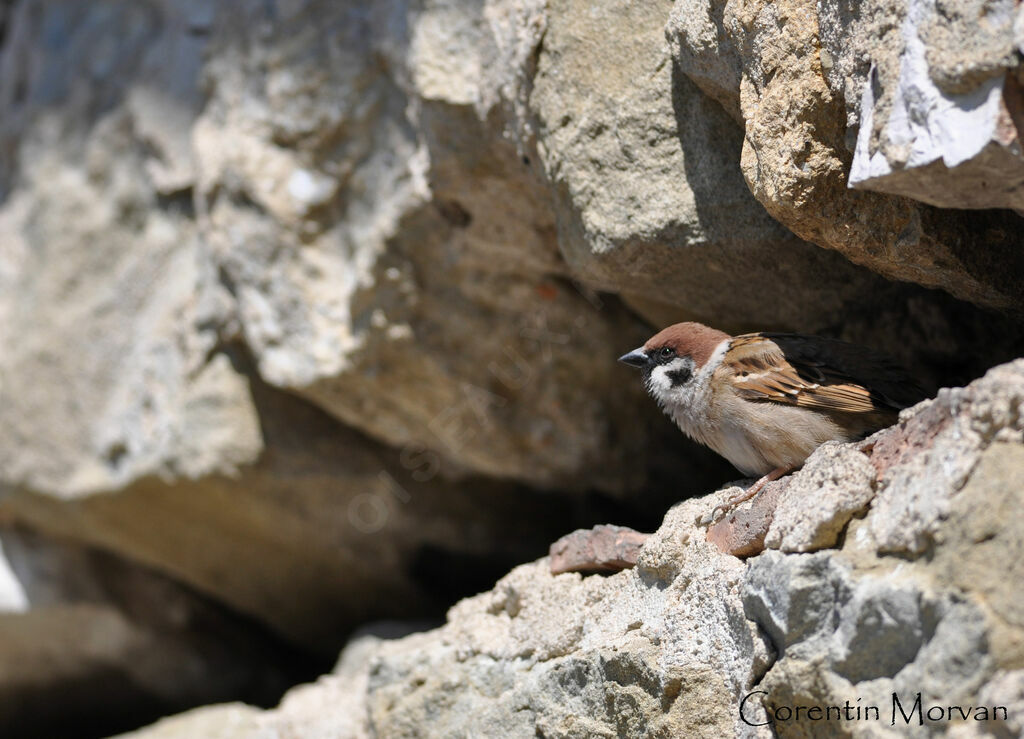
310	308
671	647
887	97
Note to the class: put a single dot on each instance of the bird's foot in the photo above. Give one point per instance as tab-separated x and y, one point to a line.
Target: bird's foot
721	511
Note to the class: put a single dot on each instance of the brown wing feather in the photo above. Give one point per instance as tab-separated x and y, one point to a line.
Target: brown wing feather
817	373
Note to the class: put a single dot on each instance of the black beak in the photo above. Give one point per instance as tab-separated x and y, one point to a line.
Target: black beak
635	358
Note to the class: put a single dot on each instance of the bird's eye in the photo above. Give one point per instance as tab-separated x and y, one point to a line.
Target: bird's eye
666	352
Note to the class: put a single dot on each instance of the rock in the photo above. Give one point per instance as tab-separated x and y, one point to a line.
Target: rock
941	124
804	511
1006	688
977	532
801	116
874	633
811	508
600	549
639	652
331	708
667	648
835	483
792	598
702	48
393	293
628	188
88	629
131	418
224	721
952	430
325	531
460	329
651	203
909	623
623	671
107	376
742	531
312	308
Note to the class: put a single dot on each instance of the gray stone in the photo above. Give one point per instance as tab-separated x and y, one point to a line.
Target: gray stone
222	721
836	482
346	520
702	48
801	114
670	647
642	652
950	432
635	653
302	303
880	631
406	278
108	373
795	599
649	198
944	128
135	285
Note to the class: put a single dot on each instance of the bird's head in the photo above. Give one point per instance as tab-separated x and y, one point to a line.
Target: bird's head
672	359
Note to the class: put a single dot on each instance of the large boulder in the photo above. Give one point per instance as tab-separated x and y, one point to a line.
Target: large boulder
392	255
823	87
323	531
903	600
940	112
651	202
145	261
312	307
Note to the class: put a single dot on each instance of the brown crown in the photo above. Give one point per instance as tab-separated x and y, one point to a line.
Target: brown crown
688	339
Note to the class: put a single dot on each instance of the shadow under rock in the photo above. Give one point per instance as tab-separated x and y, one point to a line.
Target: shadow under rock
108	645
944	341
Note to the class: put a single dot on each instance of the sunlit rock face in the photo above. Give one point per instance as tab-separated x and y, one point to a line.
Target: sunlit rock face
909	99
310	309
858	616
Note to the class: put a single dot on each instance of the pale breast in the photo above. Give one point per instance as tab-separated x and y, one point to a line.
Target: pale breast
755	437
758	438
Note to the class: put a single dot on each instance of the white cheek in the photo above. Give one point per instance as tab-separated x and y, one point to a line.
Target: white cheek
687	404
660	382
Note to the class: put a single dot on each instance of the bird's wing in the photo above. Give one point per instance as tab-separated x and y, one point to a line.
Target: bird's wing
817	373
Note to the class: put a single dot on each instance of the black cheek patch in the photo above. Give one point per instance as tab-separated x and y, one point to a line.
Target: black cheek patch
679	376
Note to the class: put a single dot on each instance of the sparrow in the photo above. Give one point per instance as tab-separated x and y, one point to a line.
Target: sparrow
765	401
